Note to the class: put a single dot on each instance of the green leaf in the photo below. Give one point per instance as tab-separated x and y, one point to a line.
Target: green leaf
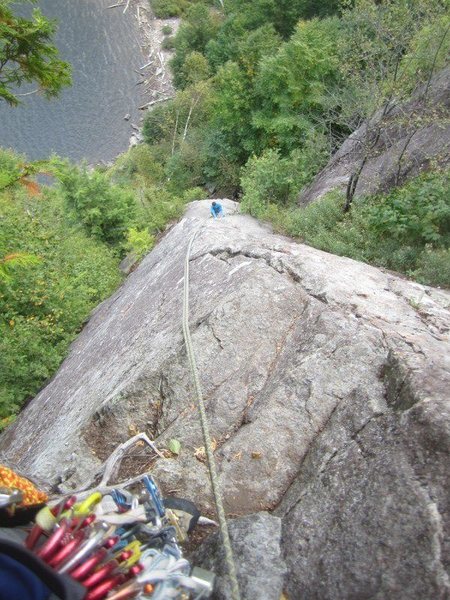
174	446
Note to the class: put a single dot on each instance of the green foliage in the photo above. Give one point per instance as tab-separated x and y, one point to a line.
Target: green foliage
199	26
185	168
433	267
159	123
283	14
139	241
105	210
168	43
195	68
45	299
319	222
416	214
272	180
10	263
265	181
293	85
174	446
10	169
195	193
165	9
375	38
28	55
158	207
428	52
232	114
166	29
140	164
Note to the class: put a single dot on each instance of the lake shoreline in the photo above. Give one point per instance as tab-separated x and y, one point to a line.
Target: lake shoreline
154	76
118	66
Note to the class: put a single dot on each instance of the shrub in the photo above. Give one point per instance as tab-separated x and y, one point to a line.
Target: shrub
428	52
315	222
157	207
165	9
139	163
417	213
139	241
159	122
168	43
9	168
185	168
264	181
195	193
408	230
433	267
105	210
167	29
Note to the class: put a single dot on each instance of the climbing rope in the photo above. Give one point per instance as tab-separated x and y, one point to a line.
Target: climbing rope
205	429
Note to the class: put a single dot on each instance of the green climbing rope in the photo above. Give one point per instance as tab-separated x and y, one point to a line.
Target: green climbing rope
205	429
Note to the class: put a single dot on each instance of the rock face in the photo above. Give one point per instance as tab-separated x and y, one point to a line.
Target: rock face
256	542
326	382
398	146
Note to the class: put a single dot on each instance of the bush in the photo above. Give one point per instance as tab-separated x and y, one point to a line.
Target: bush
165	9
159	123
9	168
416	214
139	163
433	267
157	207
185	168
168	43
105	210
195	193
428	53
265	181
318	220
167	29
139	242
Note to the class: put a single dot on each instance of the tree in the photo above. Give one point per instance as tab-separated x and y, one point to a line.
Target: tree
27	54
283	14
106	211
198	28
293	84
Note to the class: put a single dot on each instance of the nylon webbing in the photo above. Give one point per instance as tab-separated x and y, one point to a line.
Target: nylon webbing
206	435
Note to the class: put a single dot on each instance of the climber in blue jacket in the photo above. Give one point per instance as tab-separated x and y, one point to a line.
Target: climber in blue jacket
217	210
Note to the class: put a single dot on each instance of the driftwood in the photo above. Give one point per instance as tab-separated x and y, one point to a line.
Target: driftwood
146	65
126	7
114	5
29	93
144	106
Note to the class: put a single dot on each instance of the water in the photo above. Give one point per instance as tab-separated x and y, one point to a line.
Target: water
87	120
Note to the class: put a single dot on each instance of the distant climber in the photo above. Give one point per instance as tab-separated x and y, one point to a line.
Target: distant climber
217	210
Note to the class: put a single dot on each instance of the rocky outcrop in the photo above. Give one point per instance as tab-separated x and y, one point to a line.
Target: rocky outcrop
326	382
394	146
257	553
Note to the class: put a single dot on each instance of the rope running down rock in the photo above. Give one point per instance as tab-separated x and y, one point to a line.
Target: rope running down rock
205	429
